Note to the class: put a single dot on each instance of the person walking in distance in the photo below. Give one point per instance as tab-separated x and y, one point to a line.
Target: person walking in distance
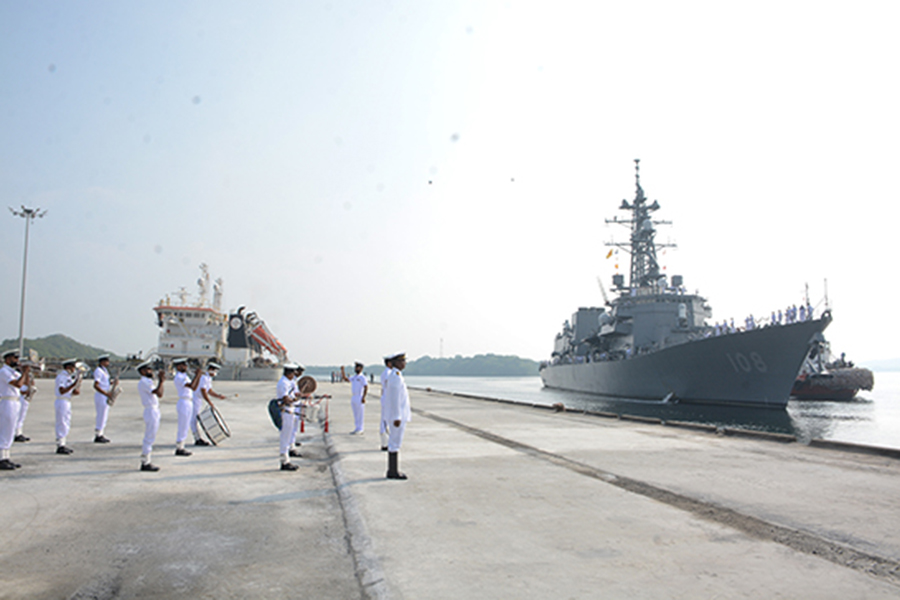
359	387
396	402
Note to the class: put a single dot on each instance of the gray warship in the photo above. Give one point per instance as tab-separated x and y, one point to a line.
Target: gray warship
653	341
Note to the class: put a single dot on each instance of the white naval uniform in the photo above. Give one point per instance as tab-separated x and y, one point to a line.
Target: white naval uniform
9	408
23	410
101	404
358	383
63	406
286	389
151	416
198	402
184	407
396	408
384	427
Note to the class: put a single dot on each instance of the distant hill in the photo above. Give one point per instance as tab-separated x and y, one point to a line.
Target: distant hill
58	346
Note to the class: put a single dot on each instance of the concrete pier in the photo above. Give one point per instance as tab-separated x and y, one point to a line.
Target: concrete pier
502	501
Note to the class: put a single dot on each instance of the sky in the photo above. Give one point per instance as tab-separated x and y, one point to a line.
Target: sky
434	176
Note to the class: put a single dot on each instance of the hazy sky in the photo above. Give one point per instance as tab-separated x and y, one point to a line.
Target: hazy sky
377	176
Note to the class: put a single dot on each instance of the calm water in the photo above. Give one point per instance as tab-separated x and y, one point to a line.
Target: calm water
872	418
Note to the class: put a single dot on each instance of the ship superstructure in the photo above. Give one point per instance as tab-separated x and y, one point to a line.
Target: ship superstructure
239	340
654	340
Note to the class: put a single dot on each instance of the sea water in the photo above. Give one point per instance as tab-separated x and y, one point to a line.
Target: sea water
872	418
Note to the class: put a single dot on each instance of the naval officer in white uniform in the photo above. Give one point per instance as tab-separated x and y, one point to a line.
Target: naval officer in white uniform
102	395
184	387
11	382
384	427
150	399
286	393
397	411
204	393
67	384
359	387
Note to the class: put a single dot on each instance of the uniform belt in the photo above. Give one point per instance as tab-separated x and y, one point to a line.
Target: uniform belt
9	397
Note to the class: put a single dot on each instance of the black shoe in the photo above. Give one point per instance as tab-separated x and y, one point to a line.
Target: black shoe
21	438
64	450
149	467
294	453
397	475
7	465
384	448
182	452
200	442
17	465
289	466
99	439
297	444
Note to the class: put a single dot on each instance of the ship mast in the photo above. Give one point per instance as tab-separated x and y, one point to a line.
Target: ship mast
642	247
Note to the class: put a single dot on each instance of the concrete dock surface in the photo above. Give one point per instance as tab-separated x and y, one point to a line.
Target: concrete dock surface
502	501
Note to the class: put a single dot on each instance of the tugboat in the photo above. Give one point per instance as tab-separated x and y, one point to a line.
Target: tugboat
824	378
653	341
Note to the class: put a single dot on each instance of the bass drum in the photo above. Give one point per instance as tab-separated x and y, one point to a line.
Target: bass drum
213	425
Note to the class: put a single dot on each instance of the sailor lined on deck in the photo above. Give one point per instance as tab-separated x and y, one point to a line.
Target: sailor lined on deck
204	393
11	382
359	387
384	427
67	384
286	393
102	396
150	399
396	400
184	387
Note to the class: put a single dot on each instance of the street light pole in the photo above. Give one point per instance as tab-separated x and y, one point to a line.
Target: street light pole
29	214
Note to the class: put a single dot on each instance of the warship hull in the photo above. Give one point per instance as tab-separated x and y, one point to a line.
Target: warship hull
751	368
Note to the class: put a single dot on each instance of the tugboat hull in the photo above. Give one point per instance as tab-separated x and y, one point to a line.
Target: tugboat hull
752	368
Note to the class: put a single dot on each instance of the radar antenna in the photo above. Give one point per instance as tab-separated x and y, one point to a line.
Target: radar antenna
645	271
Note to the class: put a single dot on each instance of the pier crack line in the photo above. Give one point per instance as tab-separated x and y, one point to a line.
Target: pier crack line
801	541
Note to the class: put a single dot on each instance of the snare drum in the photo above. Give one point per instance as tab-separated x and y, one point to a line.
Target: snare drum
213	425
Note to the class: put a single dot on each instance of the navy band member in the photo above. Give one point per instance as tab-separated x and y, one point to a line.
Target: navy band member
28	389
185	387
150	399
11	382
204	393
298	373
67	384
286	393
384	426
359	387
396	401
102	395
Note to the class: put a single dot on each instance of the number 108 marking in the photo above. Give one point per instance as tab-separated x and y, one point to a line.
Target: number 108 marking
742	363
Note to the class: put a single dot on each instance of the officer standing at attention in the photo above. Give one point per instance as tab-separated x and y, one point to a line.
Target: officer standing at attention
184	387
203	393
396	401
384	427
286	393
11	382
359	387
67	384
102	394
150	399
